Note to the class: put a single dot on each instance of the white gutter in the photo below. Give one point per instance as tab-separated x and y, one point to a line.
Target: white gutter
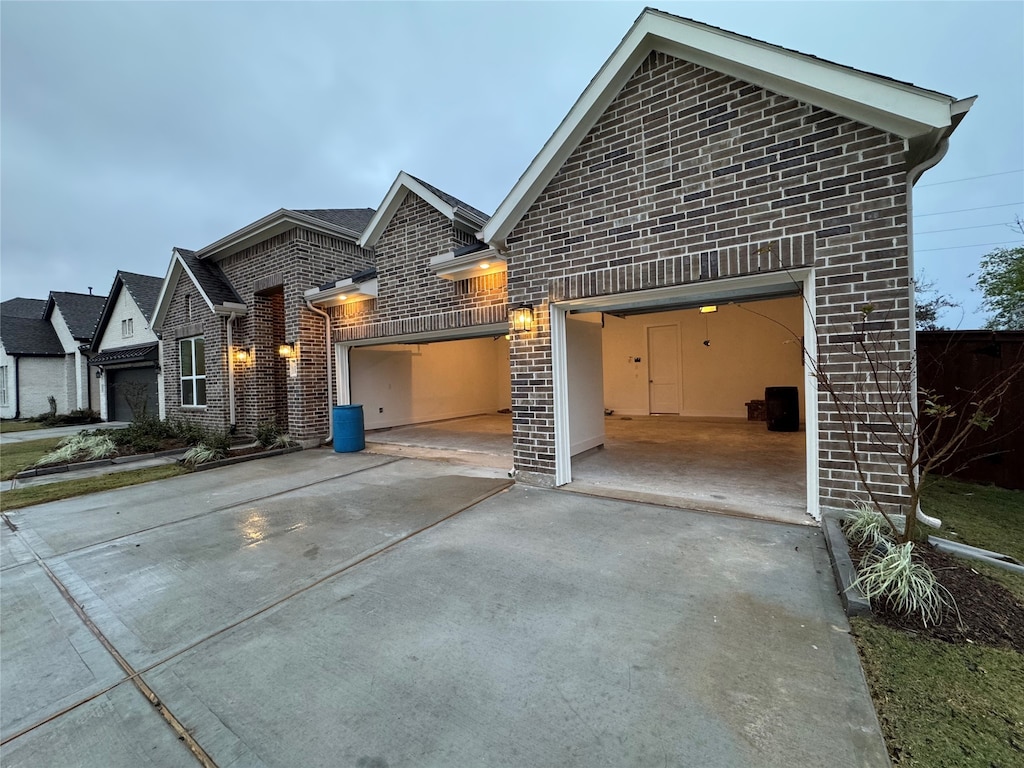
231	372
330	367
912	176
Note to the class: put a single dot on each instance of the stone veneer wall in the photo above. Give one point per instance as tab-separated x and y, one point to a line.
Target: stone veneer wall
692	175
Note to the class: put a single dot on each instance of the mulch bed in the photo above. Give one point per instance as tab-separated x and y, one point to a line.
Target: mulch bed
990	614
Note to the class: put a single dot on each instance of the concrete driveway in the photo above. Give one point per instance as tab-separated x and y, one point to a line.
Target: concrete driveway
360	610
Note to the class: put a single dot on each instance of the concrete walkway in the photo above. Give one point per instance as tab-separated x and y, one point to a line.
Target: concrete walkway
324	609
41	434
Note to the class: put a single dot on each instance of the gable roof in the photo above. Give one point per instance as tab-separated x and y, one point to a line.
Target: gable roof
923	117
31	336
81	312
19	307
353	219
218	293
449	206
144	291
344	223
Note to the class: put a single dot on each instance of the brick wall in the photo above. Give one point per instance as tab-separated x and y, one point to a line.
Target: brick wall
412	298
692	175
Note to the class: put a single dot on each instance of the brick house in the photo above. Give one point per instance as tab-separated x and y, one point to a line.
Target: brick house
699	169
125	351
225	312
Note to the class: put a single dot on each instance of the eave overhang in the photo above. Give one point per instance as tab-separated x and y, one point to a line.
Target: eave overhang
345	291
449	266
276	223
921	117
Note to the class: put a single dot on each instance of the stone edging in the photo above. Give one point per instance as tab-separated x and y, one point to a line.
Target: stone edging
96	463
247	457
854	602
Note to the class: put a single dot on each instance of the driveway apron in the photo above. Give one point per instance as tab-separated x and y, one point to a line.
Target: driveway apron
360	610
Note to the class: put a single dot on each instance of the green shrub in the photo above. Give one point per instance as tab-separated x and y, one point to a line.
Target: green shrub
267	433
866	528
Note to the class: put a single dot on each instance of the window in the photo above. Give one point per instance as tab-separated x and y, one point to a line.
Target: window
127	328
192	353
3	385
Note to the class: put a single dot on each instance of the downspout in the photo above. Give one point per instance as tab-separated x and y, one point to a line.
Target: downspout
912	176
330	367
231	373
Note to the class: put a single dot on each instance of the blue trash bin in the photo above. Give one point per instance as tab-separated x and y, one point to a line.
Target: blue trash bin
348	428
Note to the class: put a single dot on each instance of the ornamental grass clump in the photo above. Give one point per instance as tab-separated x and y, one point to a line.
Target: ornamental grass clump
201	454
905	584
83	446
867	528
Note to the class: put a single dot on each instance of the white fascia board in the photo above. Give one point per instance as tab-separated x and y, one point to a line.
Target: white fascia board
343	292
167	289
901	109
275	223
448	266
231	308
402	184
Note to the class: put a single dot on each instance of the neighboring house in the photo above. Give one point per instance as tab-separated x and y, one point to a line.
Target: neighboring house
699	169
125	351
31	359
226	310
74	317
45	353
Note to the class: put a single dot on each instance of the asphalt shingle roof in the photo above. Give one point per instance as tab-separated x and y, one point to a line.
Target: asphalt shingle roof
212	281
144	289
29	336
355	219
80	311
19	307
453	201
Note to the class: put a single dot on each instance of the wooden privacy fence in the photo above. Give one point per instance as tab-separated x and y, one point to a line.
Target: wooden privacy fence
957	364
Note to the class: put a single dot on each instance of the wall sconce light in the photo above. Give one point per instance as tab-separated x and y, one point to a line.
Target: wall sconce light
520	318
99	371
708	309
289	350
244	356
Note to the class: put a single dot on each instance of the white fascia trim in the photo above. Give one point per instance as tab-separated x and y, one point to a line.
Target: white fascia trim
901	109
367	289
174	270
272	224
402	184
448	266
231	308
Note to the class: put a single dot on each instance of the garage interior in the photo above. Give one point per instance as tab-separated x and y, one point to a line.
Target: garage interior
658	404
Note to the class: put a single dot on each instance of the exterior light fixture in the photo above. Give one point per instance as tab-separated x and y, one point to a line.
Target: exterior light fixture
708	309
290	349
520	318
99	371
243	355
484	265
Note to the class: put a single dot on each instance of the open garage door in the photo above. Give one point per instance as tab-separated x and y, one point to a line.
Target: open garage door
436	393
683	401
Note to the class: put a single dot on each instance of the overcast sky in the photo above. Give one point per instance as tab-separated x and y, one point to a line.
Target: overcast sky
130	128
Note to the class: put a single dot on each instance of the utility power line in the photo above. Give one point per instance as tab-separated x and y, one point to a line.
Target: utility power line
960	229
964	210
971	178
975	245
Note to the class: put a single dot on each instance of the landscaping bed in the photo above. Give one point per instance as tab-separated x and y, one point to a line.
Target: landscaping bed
952	692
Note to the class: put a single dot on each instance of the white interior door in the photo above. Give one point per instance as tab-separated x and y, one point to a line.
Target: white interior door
584	367
663	368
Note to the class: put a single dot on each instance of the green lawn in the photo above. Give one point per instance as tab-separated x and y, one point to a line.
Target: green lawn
979	515
953	705
9	425
941	704
40	494
15	457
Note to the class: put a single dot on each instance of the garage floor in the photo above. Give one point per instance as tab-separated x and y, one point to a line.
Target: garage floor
735	466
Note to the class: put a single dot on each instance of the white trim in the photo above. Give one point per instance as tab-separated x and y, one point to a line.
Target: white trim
343	369
343	292
272	224
448	266
811	457
899	108
560	386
